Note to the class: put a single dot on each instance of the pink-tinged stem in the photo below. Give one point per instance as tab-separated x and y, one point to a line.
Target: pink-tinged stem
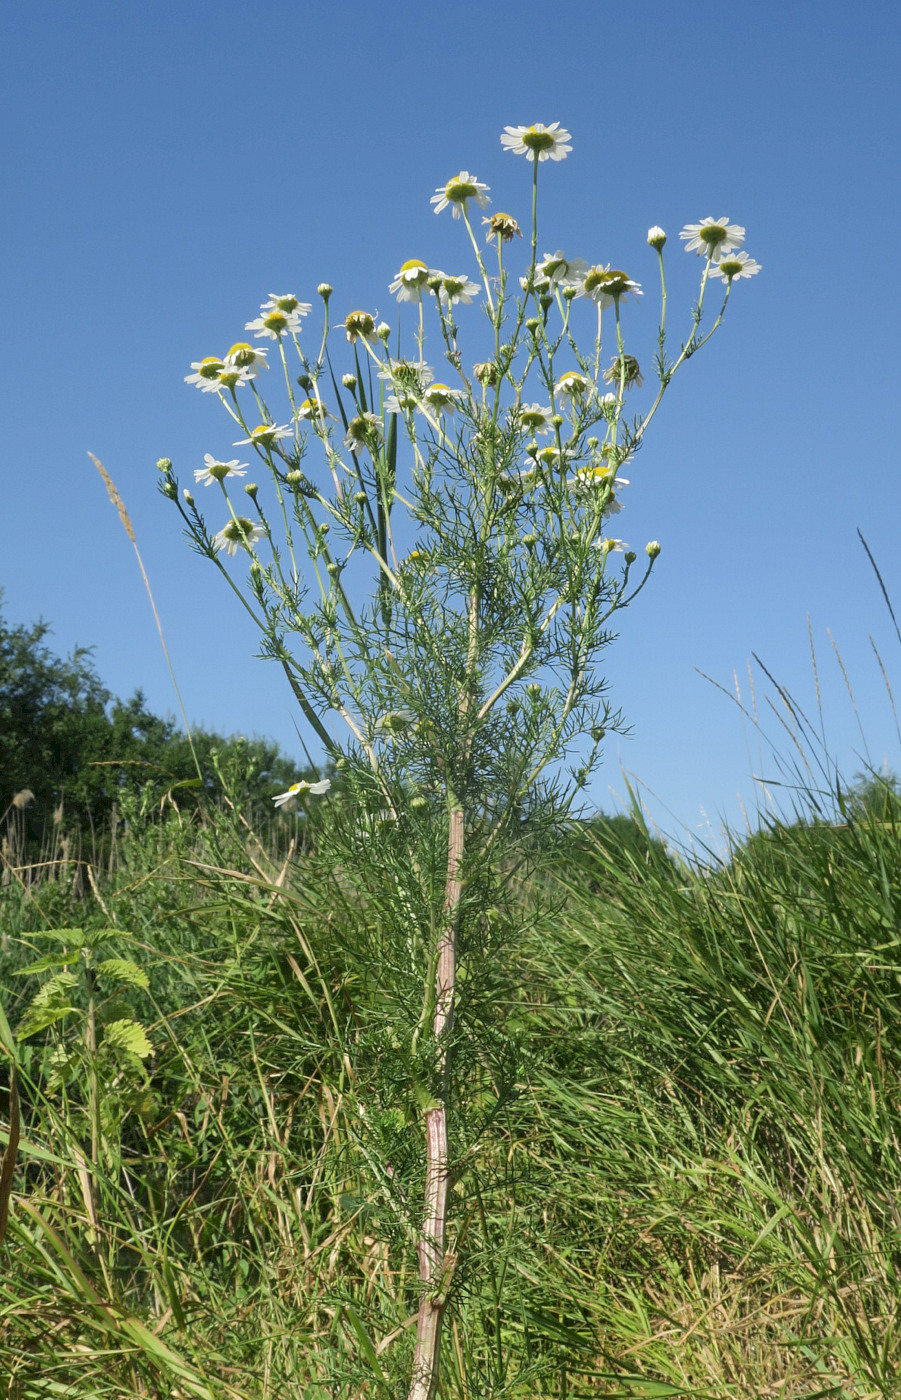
435	1266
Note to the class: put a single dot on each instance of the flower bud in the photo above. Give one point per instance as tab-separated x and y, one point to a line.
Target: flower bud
189	499
383	331
251	490
349	381
533	324
652	549
532	448
631	556
324	528
557	420
592	444
333	569
360	497
341	763
170	490
545	301
656	238
305	382
533	689
294	478
164	464
324	291
570	293
530	541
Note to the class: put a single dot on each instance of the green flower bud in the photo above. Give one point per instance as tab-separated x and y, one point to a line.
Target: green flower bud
546	301
652	549
532	448
170	490
383	331
294	478
570	293
360	497
656	237
533	324
593	444
341	763
305	382
251	489
349	381
530	541
631	556
164	464
333	569
324	528
557	420
189	499
324	291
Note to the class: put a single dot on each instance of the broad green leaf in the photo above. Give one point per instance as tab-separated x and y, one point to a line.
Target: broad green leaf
127	1035
123	970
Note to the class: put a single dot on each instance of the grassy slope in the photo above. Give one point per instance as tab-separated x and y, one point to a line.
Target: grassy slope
694	1186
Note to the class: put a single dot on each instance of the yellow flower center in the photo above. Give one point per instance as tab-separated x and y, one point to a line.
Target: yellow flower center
458	190
359	323
712	234
242	354
275	321
229	378
210	367
264	433
537	140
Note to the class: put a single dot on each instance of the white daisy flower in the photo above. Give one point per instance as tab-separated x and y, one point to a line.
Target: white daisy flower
456	192
599	477
278	315
549	457
713	237
734	266
411	279
239	531
558	271
536	418
538	141
266	435
312	408
608	285
218	471
608	546
408	382
571	385
442	397
247	357
296	789
460	288
394	722
206	373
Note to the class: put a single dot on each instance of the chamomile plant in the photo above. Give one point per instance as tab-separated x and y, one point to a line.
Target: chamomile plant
432	553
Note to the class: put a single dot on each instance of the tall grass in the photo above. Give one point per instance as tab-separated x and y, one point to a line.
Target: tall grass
692	1188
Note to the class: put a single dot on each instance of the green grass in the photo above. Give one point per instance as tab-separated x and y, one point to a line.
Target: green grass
690	1189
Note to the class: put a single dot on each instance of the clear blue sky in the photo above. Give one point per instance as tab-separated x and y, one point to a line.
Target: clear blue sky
167	166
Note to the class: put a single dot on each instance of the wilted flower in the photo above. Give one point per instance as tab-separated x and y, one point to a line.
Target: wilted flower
624	371
485	372
558	271
537	142
734	266
360	323
296	789
410	280
239	531
218	471
503	227
715	237
361	431
608	285
456	192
